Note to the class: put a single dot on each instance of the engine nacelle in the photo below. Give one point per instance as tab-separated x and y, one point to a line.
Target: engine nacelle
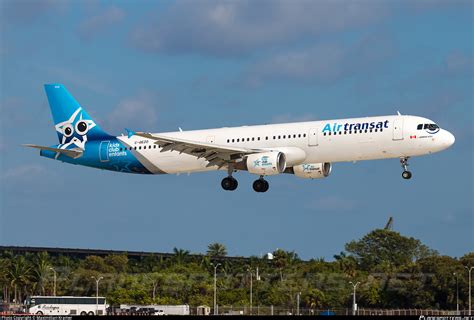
312	170
266	163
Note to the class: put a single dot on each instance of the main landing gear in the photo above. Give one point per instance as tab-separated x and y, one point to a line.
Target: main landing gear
404	163
229	183
260	185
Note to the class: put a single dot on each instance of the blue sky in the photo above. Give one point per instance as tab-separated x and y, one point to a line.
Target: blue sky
157	65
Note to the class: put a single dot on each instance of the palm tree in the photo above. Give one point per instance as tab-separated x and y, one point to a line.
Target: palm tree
4	277
42	269
216	250
19	274
180	255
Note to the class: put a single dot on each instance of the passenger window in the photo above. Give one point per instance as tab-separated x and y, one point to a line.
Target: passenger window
340	132
227	140
274	137
238	140
299	136
279	137
233	140
253	139
365	131
248	139
345	132
329	133
258	138
324	133
304	135
375	130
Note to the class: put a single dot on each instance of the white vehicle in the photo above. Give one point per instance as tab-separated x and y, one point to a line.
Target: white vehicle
304	149
65	305
159	310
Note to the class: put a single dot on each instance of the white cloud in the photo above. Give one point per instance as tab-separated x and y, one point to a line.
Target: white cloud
138	112
233	28
100	21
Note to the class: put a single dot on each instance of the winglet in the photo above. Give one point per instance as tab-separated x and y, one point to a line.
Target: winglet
130	133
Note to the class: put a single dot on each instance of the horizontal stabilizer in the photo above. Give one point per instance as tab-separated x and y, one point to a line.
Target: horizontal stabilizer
71	153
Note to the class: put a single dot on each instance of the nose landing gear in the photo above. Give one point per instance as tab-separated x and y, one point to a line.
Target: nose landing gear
404	163
260	185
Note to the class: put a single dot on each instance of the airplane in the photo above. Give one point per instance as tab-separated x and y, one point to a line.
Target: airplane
304	149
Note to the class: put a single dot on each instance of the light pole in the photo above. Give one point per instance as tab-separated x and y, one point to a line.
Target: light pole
251	291
54	292
469	269
354	305
298	303
215	286
97	280
457	293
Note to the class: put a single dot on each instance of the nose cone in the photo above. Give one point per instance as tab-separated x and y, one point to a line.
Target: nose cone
448	139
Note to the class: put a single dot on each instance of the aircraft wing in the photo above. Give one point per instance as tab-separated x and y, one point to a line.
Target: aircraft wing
71	153
217	155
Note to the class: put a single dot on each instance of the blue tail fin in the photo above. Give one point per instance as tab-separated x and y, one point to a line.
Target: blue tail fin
72	123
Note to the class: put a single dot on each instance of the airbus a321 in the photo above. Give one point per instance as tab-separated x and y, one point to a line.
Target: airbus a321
304	149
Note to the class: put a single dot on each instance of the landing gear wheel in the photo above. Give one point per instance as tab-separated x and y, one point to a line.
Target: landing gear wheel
229	184
39	313
260	185
404	163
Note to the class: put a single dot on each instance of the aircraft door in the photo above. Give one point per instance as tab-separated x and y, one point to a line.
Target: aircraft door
398	129
313	137
104	151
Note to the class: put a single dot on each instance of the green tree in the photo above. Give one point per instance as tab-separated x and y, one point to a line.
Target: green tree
20	277
117	261
180	255
216	250
41	271
386	246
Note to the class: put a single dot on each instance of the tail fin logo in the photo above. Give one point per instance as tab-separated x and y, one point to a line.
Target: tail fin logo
74	131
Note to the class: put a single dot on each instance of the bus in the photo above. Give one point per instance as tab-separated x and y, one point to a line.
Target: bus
66	305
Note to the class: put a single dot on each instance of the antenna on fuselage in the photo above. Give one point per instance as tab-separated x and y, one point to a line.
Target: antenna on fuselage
180	130
399	113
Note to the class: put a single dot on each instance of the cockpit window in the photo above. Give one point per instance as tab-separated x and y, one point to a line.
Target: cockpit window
419	127
431	126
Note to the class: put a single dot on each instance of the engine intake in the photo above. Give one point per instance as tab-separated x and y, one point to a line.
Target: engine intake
266	163
312	170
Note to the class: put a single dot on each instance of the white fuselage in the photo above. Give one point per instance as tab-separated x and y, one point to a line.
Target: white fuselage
330	141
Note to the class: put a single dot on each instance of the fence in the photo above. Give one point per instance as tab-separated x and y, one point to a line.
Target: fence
272	310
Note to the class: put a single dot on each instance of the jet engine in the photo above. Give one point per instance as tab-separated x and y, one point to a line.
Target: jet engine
312	170
266	163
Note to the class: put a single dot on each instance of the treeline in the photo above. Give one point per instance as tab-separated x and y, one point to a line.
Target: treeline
394	271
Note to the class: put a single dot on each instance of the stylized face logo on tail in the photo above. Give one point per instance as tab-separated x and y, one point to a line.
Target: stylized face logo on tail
74	131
